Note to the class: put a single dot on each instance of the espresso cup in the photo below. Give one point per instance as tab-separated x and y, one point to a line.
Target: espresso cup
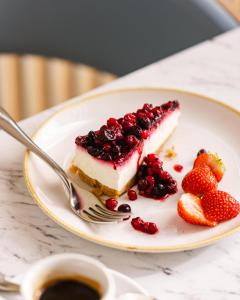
65	266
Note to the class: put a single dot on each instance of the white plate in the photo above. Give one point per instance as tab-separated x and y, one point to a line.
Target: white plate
205	123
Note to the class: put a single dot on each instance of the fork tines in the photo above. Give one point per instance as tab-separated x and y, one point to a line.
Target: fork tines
100	214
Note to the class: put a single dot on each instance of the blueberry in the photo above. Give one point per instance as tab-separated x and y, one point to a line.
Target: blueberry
143	184
120	120
79	140
93	151
108	135
175	104
166	106
142	172
144	122
124	208
159	190
135	130
91	137
172	187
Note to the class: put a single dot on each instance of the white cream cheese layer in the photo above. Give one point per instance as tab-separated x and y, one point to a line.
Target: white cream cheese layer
160	135
104	172
117	179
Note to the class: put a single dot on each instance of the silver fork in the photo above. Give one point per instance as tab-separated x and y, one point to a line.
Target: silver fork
83	203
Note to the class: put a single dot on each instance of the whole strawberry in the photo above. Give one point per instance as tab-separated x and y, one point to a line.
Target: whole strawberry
213	161
219	206
199	181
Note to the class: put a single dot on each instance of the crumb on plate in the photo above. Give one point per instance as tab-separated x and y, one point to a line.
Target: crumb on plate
171	153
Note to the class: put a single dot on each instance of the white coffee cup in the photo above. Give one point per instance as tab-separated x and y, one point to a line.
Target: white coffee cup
65	265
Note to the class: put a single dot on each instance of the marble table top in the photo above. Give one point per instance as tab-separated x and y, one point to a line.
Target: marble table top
211	68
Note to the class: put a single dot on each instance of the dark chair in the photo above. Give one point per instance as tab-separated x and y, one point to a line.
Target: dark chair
118	36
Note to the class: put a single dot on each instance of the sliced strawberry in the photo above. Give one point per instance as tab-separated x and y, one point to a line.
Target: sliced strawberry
190	209
220	206
199	181
214	162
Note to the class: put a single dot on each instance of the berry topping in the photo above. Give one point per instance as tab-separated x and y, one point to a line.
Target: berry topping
132	195
160	190
106	147
132	140
153	181
144	122
127	125
146	227
93	151
190	210
107	135
106	156
135	130
219	206
142	184
111	203
165	175
199	181
145	134
130	118
91	137
147	107
80	141
112	122
213	161
115	140
124	208
151	158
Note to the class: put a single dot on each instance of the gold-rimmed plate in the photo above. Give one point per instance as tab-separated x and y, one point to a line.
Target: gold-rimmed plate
204	123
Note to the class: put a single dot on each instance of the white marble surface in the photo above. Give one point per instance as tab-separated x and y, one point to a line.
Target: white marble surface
26	234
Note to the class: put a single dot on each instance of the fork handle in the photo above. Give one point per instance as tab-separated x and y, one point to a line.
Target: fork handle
7	286
12	128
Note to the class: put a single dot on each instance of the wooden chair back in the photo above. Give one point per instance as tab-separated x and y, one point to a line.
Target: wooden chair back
32	83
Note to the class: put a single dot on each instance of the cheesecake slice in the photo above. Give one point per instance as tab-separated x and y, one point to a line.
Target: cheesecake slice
108	159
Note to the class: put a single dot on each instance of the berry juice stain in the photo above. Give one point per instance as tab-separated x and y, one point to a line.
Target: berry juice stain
178	168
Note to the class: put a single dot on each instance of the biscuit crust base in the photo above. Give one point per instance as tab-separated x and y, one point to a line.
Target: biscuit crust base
99	188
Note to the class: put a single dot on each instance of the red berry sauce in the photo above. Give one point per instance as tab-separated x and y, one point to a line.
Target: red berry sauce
178	168
153	181
116	141
146	227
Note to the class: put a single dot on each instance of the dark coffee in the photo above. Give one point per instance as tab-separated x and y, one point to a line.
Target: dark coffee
64	289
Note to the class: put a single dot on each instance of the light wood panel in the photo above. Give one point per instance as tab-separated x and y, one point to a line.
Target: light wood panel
233	6
10	87
31	83
34	85
85	79
60	80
